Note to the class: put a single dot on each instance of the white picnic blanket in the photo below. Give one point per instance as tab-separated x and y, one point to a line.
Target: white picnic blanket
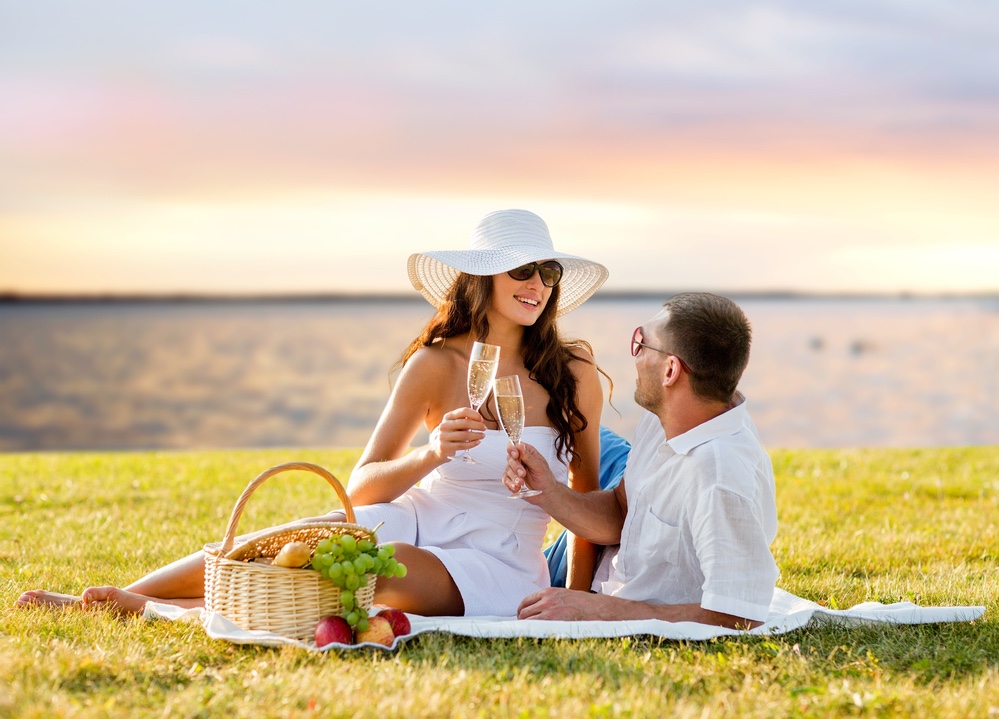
787	613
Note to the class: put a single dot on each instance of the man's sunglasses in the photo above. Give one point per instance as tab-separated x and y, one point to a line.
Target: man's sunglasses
550	271
637	344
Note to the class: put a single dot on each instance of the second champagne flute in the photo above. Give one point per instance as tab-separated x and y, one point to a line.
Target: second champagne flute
510	406
482	364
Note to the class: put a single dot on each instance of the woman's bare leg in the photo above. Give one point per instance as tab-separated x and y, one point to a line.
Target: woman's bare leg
427	588
181	583
182	579
125	602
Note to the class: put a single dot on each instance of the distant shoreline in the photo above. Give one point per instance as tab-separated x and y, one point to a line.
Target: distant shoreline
18	298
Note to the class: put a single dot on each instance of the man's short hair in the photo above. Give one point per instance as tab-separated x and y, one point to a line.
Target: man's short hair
713	336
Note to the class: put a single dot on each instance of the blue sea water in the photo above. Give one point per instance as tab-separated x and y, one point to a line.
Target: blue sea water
824	372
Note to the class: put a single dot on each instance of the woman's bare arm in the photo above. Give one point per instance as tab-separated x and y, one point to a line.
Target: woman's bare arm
584	473
386	468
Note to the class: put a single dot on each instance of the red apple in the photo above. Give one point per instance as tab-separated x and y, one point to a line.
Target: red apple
333	630
379	632
398	619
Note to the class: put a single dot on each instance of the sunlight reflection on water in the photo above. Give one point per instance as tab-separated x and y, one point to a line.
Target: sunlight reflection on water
824	373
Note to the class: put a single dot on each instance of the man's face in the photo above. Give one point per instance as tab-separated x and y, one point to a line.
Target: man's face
650	364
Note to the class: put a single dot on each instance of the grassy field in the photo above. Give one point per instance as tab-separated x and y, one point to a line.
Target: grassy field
856	525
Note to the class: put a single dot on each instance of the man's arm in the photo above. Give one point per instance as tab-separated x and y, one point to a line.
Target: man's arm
568	605
596	516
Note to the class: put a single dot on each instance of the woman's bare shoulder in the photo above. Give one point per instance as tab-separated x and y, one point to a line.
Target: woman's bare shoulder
582	363
434	378
439	359
581	351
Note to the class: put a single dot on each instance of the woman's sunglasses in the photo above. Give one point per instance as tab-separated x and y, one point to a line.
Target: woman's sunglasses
550	271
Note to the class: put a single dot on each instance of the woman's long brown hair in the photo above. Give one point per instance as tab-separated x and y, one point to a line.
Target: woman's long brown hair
546	355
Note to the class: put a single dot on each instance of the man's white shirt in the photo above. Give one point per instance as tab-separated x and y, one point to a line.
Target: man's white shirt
701	516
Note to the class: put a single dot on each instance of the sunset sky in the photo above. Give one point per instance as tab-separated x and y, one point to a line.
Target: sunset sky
250	146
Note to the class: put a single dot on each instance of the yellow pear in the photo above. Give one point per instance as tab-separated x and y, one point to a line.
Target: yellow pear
293	554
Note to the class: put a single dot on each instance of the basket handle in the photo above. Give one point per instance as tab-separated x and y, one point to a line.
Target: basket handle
237	511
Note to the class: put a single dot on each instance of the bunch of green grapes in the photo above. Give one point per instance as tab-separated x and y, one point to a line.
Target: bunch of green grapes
348	562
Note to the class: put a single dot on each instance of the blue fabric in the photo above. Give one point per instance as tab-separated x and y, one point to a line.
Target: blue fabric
613	456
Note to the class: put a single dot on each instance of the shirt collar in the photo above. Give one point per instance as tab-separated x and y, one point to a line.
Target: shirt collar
724	425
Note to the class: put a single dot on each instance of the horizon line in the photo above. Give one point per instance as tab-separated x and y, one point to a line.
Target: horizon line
13	297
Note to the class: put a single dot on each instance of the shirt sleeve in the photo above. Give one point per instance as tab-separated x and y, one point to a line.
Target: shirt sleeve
734	553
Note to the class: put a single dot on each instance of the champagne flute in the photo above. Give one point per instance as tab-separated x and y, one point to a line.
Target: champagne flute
510	407
482	364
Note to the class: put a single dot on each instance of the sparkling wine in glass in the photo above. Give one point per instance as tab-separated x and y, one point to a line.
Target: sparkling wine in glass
510	407
482	364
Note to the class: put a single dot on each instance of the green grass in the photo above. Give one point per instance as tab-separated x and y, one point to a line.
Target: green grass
856	525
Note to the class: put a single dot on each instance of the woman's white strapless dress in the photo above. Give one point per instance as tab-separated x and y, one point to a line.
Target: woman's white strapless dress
490	544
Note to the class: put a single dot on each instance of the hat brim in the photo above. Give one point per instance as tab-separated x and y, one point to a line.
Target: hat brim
434	273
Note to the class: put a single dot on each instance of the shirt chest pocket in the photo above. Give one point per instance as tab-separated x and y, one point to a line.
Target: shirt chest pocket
661	541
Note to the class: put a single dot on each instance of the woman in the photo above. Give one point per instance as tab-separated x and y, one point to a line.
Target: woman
469	549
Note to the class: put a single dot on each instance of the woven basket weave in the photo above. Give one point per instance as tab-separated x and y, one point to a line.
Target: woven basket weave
289	602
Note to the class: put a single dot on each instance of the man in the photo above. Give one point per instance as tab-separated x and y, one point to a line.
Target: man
695	513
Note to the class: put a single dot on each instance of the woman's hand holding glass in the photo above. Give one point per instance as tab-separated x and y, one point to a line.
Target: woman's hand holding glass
460	430
482	364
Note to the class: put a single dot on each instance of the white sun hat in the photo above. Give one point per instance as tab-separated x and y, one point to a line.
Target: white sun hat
504	241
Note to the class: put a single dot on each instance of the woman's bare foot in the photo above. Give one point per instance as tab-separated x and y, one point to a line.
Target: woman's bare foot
114	599
41	598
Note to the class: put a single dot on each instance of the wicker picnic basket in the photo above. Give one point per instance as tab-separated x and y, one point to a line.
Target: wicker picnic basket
256	595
